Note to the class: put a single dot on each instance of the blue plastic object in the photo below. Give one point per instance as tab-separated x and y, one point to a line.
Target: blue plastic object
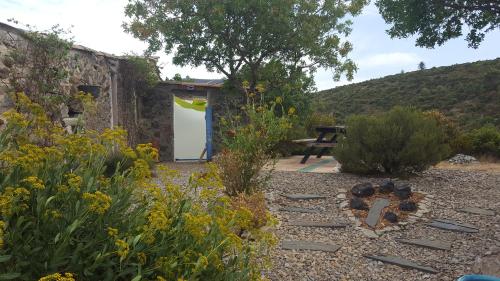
474	277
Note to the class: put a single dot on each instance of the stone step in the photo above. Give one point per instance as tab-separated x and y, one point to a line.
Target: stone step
477	211
376	211
299	210
463	224
453	226
319	224
300	196
403	263
309	245
432	244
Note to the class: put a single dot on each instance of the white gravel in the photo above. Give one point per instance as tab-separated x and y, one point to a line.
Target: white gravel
451	190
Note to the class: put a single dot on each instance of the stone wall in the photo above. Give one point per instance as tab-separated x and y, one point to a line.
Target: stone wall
157	114
147	114
116	104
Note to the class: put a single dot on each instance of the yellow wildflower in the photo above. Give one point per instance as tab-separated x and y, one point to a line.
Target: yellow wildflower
260	88
15	118
158	220
113	232
128	152
123	248
202	262
53	214
279	100
197	225
74	181
58	277
34	182
98	202
147	151
2	233
291	110
62	188
141	257
13	200
141	169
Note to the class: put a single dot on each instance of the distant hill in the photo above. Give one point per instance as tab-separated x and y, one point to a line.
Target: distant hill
469	93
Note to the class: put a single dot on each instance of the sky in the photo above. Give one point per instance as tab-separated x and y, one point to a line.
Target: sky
97	24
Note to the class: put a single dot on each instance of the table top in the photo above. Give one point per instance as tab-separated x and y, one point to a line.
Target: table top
331	129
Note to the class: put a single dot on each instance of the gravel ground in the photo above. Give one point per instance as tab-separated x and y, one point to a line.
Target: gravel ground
450	189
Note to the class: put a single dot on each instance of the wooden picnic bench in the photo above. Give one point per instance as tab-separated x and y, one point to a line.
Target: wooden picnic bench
320	141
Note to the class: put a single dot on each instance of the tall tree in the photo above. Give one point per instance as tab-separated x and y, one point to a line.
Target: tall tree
436	21
227	35
421	65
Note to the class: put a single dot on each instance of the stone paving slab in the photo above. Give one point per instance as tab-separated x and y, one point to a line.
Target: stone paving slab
300	196
299	210
403	263
432	244
477	211
309	245
452	227
319	224
375	211
462	224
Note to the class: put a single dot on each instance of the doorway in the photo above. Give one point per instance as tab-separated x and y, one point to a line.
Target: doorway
190	128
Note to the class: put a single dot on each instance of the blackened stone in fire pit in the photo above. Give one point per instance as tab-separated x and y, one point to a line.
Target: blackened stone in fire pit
391	217
402	191
408	206
387	186
358	204
363	190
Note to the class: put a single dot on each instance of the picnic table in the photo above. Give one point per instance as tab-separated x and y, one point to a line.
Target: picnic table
321	141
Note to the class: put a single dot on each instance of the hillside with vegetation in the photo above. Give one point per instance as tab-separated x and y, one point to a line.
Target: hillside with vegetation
467	93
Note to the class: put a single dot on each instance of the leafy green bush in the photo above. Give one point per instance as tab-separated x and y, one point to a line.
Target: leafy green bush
484	141
401	141
318	119
62	218
250	143
452	134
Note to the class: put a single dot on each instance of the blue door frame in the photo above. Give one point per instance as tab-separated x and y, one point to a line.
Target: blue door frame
208	122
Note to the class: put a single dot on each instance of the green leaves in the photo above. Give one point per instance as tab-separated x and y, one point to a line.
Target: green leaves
438	21
227	35
9	276
402	141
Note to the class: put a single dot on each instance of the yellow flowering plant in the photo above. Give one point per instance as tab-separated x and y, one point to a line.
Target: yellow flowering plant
250	143
65	216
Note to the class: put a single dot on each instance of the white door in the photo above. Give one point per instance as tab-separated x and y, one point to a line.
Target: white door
189	128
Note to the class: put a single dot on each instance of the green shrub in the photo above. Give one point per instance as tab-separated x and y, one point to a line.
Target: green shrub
318	119
62	218
484	141
401	141
452	135
250	143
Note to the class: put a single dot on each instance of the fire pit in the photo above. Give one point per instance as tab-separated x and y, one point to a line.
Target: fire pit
376	208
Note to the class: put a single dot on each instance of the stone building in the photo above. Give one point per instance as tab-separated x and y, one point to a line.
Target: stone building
146	113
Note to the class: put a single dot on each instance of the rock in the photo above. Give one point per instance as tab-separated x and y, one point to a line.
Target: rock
391	217
387	186
402	191
363	190
368	233
358	204
462	159
408	206
341	196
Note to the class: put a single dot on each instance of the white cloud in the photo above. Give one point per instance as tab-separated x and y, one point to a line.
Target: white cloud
389	59
96	24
